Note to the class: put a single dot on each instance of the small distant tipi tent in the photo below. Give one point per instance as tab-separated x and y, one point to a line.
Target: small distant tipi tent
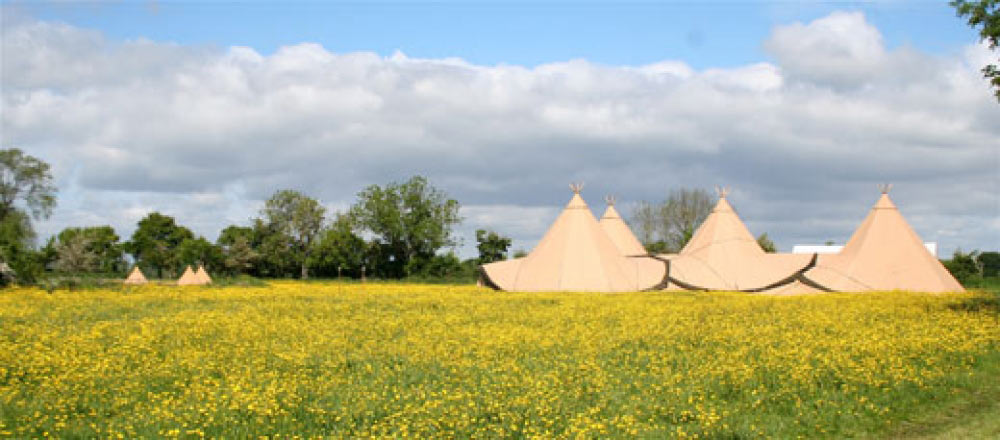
574	255
202	275
883	254
723	255
136	277
618	231
188	278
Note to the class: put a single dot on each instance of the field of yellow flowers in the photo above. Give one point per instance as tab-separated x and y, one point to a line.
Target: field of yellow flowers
398	360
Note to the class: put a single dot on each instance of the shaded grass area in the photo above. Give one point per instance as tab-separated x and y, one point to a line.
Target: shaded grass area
383	359
973	413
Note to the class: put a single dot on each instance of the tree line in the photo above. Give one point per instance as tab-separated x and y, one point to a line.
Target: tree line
397	230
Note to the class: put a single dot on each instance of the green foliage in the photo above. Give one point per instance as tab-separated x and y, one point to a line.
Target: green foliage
409	222
27	179
443	268
766	243
657	247
963	266
277	253
989	263
296	220
520	253
23	264
26	192
977	270
199	251
237	246
88	249
985	15
492	246
156	241
339	251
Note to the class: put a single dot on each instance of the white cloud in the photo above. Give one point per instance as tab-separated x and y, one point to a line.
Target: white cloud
841	48
205	134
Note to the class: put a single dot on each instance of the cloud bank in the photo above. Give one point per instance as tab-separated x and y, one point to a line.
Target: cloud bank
205	134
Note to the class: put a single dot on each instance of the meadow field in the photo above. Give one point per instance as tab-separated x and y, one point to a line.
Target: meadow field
338	360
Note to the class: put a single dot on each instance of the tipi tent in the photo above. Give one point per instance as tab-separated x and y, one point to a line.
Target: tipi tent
723	255
618	231
202	276
136	277
883	254
574	255
188	278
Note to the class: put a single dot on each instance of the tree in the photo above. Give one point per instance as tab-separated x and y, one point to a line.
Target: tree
667	226
25	178
154	243
492	246
74	255
963	266
101	244
199	251
26	192
684	210
989	263
237	246
17	257
339	251
409	223
645	221
766	244
298	219
984	14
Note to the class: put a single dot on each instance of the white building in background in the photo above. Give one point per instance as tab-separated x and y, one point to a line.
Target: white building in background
833	249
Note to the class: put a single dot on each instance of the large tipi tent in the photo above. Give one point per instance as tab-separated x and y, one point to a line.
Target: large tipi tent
188	278
202	275
883	254
136	277
618	231
723	255
575	255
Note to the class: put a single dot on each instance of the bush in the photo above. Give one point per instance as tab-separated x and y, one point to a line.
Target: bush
963	266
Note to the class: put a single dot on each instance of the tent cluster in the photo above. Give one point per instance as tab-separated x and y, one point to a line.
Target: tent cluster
188	278
581	254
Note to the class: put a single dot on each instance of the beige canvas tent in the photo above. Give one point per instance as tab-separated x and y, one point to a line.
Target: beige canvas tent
619	232
202	276
574	255
188	278
883	254
723	255
136	277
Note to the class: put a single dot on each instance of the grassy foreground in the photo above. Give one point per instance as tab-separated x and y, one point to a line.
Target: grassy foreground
348	360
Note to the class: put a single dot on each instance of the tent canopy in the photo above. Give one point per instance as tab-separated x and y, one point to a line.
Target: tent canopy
723	255
883	254
619	232
575	255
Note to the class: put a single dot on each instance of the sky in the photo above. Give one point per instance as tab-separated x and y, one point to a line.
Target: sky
201	110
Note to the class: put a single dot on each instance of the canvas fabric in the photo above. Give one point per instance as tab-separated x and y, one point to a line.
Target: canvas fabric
575	255
188	278
723	255
620	234
202	275
136	277
883	254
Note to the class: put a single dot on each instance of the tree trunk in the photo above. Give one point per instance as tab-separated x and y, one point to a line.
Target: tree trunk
305	271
